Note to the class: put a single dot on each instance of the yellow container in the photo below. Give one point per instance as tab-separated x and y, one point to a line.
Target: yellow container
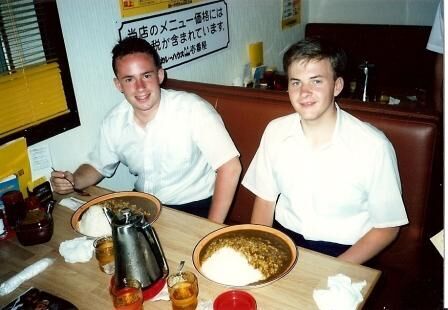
255	52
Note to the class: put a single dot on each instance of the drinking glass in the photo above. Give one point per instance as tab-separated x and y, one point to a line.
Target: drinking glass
183	290
128	297
104	253
14	207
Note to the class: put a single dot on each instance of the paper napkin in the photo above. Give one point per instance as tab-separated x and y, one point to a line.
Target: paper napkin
78	250
438	241
341	294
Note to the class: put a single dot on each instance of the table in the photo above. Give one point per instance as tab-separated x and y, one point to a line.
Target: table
86	286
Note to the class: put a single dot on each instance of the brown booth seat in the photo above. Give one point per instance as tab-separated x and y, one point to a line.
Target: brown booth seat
246	112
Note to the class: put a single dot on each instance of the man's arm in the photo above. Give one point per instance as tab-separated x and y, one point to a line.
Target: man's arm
227	177
83	177
373	242
263	212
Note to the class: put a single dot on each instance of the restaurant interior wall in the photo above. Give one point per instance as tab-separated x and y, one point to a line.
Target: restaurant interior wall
90	31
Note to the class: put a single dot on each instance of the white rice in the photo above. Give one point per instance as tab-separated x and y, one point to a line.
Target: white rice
94	223
230	267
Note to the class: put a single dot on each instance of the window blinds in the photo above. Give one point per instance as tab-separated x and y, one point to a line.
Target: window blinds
31	89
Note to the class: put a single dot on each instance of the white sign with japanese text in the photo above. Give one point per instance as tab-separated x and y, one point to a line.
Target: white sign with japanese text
183	35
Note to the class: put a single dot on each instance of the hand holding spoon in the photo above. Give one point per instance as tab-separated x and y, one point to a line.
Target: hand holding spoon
78	191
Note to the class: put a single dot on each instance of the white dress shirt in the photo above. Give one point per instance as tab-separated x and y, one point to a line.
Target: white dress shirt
336	193
175	157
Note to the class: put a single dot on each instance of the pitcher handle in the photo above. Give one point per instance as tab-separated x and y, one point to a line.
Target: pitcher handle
146	227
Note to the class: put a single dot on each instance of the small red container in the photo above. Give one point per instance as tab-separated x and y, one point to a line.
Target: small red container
235	300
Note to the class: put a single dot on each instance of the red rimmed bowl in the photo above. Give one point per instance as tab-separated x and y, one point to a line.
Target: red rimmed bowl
235	300
267	234
148	204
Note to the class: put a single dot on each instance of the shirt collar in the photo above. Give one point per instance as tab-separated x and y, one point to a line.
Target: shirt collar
160	111
295	129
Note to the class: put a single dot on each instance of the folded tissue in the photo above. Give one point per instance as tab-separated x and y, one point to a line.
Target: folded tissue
341	294
34	269
164	295
78	250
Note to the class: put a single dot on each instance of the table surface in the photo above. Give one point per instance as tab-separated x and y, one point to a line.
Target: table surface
86	286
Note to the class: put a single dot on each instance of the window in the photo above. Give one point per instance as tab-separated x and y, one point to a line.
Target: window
36	92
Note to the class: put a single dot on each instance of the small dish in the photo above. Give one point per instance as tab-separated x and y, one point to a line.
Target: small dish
144	202
235	300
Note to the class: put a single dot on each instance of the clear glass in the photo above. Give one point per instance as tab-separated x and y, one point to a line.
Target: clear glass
183	289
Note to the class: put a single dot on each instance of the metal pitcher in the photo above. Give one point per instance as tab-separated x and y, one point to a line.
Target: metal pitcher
138	254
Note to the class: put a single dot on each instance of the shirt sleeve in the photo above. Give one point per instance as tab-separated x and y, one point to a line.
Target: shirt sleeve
435	41
385	200
211	135
103	158
259	178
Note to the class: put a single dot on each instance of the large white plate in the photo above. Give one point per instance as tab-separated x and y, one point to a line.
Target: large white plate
279	239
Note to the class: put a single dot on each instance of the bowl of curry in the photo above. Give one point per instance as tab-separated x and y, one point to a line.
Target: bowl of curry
269	252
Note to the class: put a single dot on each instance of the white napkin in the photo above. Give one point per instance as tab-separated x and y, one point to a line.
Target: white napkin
438	241
341	294
78	250
72	203
393	101
164	295
34	269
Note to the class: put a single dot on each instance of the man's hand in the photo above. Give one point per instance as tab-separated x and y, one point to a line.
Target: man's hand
66	182
62	182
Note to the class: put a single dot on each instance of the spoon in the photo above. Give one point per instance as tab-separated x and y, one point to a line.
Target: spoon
180	267
109	214
79	191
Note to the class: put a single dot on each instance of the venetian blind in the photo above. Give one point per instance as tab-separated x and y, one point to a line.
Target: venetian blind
31	89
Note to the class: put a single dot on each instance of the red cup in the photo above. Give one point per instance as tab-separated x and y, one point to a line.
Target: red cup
14	207
235	300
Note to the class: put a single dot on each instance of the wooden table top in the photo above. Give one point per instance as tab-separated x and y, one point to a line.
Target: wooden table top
86	286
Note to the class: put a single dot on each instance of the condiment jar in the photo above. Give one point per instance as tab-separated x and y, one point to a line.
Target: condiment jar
37	225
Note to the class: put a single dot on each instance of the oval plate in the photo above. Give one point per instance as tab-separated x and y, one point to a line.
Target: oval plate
143	201
273	235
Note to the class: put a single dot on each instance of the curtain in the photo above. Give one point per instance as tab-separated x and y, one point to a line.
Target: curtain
31	89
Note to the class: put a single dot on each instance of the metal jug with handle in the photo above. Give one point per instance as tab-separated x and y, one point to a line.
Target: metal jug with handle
138	254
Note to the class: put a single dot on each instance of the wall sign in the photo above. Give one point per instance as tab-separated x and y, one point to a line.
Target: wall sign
137	7
290	13
184	35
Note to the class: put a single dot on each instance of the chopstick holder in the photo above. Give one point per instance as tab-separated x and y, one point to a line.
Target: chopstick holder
34	269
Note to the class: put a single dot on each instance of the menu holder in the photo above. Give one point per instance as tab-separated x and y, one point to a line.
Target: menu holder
14	161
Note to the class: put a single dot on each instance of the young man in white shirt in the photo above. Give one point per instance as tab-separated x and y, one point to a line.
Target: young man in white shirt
324	177
174	142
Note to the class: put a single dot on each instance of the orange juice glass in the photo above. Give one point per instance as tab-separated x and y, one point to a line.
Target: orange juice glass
130	297
183	290
104	253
